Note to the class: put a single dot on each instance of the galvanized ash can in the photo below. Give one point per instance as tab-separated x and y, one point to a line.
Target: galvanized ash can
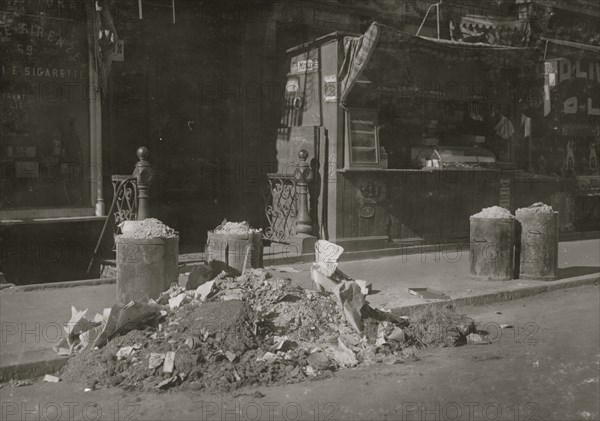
539	245
492	243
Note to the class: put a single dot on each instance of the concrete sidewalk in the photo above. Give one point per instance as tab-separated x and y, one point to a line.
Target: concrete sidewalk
31	321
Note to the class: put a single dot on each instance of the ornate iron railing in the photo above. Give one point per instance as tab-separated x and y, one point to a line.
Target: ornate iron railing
127	199
281	201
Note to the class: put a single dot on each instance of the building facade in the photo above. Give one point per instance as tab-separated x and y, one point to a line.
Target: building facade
202	86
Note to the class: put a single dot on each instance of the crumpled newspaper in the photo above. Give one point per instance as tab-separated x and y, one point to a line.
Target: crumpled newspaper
83	333
326	275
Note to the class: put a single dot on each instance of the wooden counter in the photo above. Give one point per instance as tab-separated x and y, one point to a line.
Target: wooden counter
434	205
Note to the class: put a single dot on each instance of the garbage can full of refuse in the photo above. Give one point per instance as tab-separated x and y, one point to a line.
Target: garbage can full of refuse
539	242
492	244
147	262
235	250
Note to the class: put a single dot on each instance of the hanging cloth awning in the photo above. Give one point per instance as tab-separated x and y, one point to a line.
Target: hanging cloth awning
494	31
381	38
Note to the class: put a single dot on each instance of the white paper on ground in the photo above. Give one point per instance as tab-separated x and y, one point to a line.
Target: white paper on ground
169	364
204	290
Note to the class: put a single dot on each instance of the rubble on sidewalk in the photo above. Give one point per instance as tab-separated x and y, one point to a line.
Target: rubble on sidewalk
477	339
252	329
537	207
438	326
493	212
243	227
83	334
204	272
145	229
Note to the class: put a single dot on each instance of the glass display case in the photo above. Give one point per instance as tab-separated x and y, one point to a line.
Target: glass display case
452	157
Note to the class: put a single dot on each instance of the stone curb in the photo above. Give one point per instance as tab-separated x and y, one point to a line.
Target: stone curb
65	284
516	293
40	368
32	369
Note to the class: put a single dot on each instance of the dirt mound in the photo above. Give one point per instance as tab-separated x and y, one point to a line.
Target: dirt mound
252	330
201	337
433	326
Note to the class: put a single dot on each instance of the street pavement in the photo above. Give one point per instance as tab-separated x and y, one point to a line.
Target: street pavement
31	321
546	367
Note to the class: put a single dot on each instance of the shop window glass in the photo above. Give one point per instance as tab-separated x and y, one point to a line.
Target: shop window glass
363	138
44	106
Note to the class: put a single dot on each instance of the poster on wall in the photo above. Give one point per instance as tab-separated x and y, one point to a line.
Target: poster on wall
572	114
574	88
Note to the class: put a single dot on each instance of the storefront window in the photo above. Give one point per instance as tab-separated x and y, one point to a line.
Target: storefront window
44	107
566	140
363	139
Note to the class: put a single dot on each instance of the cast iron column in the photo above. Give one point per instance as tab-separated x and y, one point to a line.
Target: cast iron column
143	173
303	176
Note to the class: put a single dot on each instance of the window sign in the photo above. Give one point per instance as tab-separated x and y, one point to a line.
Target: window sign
44	105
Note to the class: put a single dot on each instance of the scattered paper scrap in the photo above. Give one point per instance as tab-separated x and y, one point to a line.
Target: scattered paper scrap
204	291
328	253
268	356
365	287
343	355
397	335
51	379
170	382
309	371
155	360
169	364
78	322
176	302
351	300
475	338
124	352
191	342
280	342
62	347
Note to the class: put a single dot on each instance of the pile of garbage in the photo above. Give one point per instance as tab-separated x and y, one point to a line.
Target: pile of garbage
252	329
146	229
237	228
538	207
493	213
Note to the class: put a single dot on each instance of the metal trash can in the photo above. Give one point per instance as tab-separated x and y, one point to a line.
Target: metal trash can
235	249
145	267
492	248
539	245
